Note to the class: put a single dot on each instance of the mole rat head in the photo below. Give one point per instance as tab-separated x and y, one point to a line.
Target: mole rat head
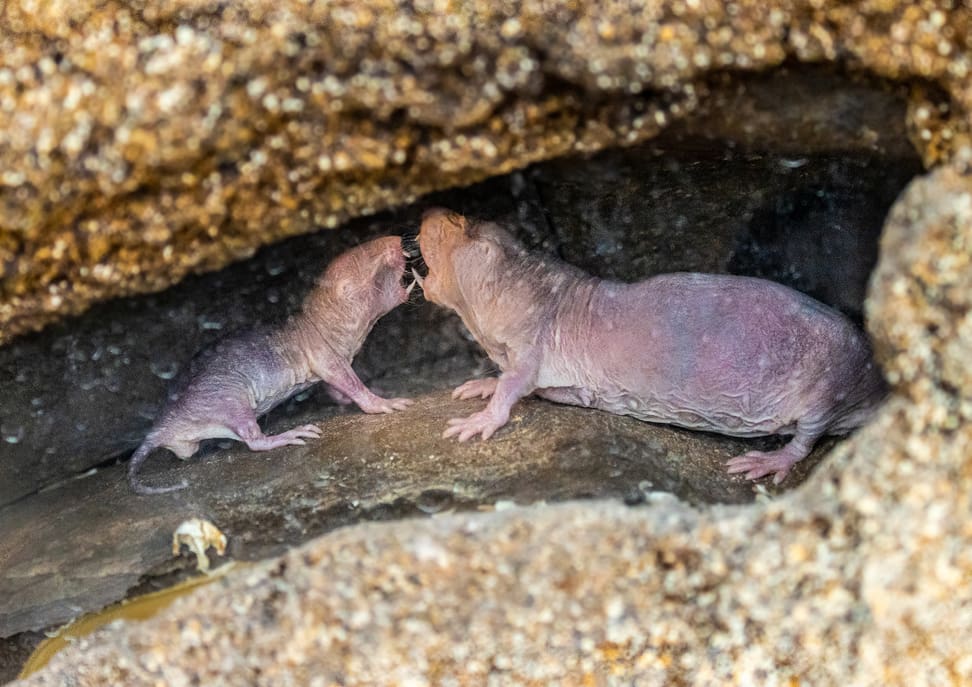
369	276
460	254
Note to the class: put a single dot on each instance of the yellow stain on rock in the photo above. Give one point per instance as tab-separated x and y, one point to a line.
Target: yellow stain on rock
133	610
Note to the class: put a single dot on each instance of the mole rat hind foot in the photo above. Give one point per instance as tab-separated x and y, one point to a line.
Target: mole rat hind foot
757	464
293	437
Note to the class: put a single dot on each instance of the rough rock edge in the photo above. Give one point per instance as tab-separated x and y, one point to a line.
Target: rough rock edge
138	146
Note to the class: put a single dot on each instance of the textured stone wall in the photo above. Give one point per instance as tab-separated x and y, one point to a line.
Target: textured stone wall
140	143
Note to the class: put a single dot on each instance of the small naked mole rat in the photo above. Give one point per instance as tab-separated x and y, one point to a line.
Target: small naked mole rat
226	386
735	355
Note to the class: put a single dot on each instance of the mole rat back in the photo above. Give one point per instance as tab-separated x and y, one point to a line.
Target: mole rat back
737	355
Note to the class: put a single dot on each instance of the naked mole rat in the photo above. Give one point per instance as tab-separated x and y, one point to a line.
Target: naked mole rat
736	355
227	386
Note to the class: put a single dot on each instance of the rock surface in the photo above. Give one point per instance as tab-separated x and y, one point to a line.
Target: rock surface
860	576
77	547
141	144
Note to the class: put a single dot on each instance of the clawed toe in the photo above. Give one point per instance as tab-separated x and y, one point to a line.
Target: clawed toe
465	428
753	467
387	405
482	388
304	432
743	463
307	432
461	432
757	464
293	437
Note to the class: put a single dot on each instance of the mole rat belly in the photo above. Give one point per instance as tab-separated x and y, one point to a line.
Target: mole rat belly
273	380
729	415
725	415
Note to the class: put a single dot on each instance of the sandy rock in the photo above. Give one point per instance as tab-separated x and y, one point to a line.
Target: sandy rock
793	590
857	577
142	145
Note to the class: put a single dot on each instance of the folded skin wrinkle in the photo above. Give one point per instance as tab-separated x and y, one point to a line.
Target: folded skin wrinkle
736	355
226	387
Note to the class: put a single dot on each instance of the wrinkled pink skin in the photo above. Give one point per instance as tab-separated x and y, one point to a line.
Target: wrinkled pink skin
226	387
736	355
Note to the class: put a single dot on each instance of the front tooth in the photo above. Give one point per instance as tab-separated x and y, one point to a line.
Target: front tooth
408	289
418	279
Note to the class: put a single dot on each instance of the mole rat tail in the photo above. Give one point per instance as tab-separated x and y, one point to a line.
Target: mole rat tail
141	453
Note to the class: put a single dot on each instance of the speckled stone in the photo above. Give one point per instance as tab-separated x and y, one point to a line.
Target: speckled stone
141	143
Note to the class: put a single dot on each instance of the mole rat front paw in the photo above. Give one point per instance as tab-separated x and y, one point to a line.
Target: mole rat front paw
386	405
465	428
483	388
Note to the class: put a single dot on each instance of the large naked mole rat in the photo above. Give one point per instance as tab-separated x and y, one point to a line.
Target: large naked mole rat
735	355
227	386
